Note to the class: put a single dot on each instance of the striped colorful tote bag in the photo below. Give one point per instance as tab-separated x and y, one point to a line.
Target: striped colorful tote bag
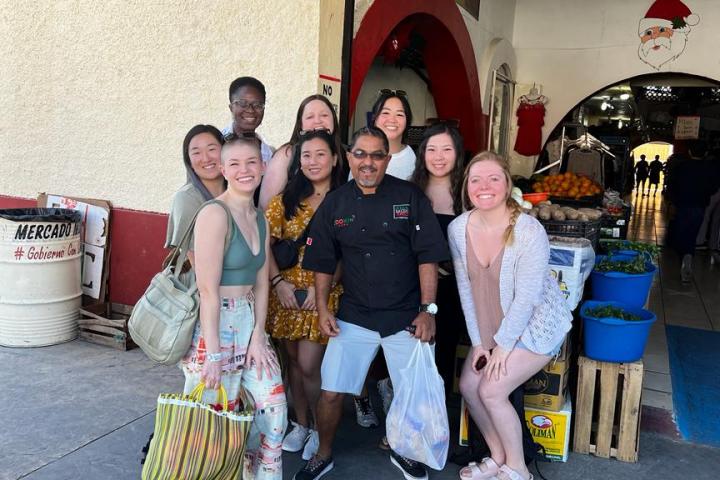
194	441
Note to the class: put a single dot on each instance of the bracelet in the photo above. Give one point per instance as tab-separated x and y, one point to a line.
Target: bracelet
275	277
214	357
273	285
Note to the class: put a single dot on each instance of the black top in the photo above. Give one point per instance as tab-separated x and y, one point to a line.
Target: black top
381	239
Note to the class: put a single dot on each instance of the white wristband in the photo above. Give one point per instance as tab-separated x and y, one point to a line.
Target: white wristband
214	357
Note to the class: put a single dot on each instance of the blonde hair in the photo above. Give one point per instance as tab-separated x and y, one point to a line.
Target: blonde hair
510	202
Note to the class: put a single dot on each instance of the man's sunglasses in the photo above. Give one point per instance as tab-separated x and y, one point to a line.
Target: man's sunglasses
375	156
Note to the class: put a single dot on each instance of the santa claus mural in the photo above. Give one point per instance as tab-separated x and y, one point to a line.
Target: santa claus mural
664	32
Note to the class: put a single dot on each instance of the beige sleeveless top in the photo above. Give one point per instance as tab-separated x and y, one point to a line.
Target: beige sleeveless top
485	285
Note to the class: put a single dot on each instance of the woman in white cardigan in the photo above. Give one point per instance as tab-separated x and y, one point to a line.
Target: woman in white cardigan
515	314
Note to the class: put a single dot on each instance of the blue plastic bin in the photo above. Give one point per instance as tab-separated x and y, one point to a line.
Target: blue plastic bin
613	339
630	289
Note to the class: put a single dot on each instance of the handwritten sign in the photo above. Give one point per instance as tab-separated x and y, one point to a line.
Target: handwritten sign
687	128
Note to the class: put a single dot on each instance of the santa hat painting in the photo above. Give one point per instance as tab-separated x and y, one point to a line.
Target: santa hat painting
668	13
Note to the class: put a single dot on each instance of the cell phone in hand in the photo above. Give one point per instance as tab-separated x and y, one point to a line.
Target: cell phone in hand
481	362
300	296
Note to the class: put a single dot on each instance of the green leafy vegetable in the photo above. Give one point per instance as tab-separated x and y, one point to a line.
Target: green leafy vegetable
651	249
609	311
635	266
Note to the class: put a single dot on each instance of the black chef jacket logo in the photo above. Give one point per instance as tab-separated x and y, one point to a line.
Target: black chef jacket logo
401	212
344	221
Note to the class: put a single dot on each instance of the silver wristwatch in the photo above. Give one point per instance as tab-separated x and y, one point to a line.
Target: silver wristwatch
430	308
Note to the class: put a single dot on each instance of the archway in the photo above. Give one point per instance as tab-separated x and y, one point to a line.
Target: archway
449	59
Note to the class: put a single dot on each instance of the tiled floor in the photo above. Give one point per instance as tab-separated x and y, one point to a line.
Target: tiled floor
695	305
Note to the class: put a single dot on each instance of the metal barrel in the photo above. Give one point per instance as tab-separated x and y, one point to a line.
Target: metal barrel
40	282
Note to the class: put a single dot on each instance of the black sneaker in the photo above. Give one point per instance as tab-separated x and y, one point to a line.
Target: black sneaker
315	468
411	469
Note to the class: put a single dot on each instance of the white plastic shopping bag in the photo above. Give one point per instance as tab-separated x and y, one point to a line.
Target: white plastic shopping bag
417	423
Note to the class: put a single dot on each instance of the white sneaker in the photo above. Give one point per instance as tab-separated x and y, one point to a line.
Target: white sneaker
312	445
686	268
295	440
364	413
386	392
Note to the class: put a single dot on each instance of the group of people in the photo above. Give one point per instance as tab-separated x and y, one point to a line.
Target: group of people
372	270
649	172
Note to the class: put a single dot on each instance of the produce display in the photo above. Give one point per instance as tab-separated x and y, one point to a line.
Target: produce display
609	311
551	211
637	265
652	250
567	185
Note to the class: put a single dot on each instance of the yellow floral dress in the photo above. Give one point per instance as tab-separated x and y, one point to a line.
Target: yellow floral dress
287	323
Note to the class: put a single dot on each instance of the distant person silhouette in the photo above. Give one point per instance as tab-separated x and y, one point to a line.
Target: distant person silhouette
656	166
641	174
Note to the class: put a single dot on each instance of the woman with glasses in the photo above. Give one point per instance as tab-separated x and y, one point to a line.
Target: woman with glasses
247	106
201	156
439	173
392	114
230	348
315	112
293	318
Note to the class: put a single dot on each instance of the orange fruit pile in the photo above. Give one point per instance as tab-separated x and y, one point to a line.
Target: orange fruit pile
567	185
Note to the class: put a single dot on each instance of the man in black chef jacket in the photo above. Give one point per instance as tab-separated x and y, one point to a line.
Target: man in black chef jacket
385	233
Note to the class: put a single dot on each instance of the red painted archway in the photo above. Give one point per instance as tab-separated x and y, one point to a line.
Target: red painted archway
449	58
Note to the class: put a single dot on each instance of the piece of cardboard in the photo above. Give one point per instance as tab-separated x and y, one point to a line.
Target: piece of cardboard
551	430
547	389
95	241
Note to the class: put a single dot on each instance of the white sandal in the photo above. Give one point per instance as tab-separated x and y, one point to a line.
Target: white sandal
491	469
510	474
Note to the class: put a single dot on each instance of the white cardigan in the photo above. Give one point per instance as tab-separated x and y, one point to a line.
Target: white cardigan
533	306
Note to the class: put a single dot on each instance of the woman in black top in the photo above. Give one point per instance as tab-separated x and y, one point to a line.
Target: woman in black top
439	173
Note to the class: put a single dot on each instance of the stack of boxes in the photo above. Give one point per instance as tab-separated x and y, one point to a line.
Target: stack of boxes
548	408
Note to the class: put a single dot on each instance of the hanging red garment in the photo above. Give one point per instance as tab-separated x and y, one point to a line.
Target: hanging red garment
531	118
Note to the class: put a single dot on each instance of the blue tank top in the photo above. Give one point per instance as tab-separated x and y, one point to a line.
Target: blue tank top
240	266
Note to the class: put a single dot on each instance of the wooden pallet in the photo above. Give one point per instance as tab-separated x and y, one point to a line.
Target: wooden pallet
607	412
106	324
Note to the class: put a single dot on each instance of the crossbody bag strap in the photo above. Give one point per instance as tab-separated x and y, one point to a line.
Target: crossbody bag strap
300	241
181	251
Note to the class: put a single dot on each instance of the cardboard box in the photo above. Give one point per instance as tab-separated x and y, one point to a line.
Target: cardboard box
547	388
464	424
551	430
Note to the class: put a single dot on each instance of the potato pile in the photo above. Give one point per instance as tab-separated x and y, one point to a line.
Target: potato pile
559	213
567	185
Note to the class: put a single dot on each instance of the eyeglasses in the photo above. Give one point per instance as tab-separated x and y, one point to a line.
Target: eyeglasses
387	91
304	133
375	156
232	136
245	105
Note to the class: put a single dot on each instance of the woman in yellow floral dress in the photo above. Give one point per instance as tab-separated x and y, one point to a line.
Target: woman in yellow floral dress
292	316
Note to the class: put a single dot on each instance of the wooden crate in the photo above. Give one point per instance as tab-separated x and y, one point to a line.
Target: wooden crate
106	324
607	413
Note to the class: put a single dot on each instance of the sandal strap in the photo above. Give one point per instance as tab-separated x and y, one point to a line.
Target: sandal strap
509	474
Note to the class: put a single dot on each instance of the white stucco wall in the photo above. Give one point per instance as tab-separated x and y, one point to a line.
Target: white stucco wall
575	48
96	97
491	36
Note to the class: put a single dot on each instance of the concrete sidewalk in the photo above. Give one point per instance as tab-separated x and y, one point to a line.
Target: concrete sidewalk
82	411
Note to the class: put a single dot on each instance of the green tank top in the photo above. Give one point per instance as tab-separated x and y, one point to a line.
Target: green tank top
240	266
